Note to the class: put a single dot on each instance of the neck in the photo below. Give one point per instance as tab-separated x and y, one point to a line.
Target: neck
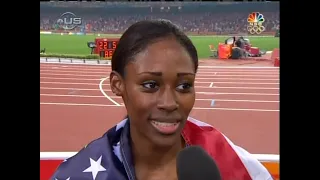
146	153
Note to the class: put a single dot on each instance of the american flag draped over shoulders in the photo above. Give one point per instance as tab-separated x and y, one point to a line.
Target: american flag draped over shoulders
109	157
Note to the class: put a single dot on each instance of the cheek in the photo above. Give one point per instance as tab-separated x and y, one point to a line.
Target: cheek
186	102
139	104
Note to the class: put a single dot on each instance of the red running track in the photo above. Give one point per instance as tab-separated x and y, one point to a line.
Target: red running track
74	111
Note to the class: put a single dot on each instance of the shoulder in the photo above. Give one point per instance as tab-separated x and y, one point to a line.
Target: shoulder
201	133
99	159
254	167
87	163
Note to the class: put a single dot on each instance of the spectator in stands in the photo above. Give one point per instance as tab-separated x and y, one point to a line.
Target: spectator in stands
99	21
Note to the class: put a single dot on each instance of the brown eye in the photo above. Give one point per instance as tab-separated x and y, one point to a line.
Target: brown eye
150	85
184	87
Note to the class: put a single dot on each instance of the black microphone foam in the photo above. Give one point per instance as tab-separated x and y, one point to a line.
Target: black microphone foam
193	163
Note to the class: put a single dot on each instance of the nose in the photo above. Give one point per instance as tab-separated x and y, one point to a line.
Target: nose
167	101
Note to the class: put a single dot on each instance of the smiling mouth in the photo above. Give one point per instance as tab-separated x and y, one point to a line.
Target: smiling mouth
164	127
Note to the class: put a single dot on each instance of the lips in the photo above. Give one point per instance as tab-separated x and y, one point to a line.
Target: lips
166	119
166	127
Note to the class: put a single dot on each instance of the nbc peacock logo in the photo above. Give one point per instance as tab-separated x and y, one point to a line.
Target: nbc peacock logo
255	21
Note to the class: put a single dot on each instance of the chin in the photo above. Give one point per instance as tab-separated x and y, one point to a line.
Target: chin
166	141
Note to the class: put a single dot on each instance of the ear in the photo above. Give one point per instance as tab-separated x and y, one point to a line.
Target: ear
116	83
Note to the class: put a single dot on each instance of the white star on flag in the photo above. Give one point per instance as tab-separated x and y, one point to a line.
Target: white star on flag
95	167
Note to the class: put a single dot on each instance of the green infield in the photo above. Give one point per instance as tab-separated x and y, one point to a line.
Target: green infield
77	44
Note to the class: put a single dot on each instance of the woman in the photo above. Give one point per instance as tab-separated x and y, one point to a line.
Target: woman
153	70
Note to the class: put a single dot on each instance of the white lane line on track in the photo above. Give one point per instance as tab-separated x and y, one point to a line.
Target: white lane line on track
206	93
239	67
196	108
213	78
105	72
98	79
104	94
42	63
218	67
254	94
213	74
210	86
229	82
117	97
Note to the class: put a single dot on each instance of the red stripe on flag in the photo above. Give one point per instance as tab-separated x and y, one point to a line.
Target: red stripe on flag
48	167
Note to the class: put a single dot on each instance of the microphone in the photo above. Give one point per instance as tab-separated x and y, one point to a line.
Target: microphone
193	163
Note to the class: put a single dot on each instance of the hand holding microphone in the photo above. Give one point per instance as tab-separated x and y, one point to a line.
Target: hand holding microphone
193	163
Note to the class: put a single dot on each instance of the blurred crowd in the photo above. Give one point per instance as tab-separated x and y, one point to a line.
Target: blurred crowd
115	17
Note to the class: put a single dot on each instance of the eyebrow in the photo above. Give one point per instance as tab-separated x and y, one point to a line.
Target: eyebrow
160	73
